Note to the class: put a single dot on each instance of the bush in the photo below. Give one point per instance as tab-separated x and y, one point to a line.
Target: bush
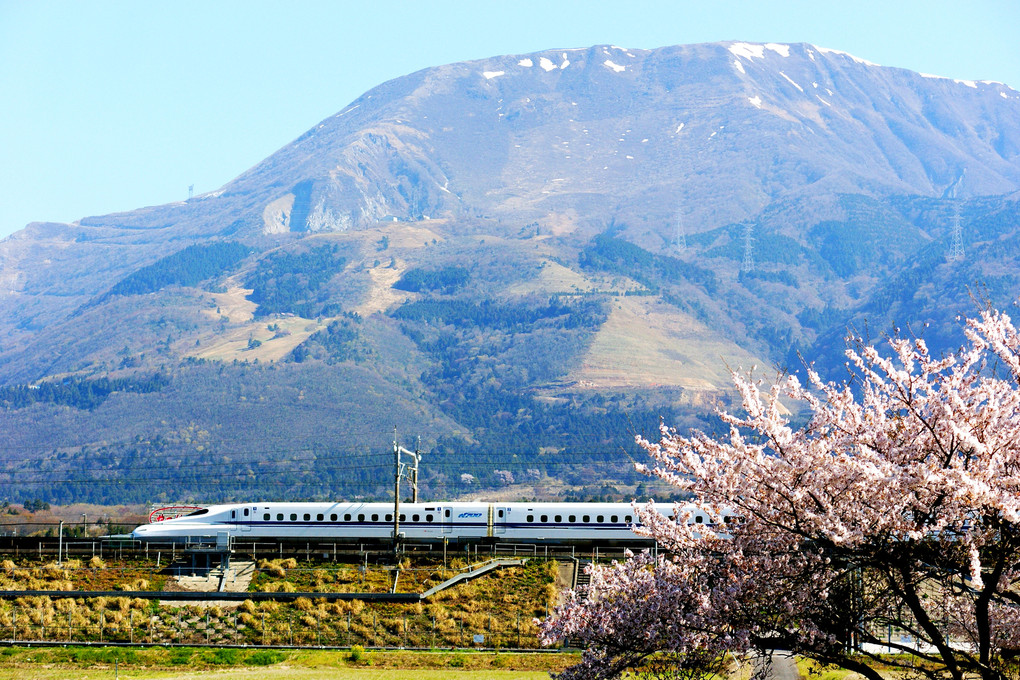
180	656
357	654
264	658
225	657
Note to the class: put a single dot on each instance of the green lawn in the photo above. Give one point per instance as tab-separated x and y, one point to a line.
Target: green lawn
157	663
274	673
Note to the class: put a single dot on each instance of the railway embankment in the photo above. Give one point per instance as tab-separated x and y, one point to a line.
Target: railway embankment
418	601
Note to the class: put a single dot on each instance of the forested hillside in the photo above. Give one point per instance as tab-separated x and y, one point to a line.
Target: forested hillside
524	261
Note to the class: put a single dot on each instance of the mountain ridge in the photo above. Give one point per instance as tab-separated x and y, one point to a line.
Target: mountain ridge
525	256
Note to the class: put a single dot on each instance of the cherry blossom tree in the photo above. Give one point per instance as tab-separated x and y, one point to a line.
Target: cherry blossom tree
888	523
653	614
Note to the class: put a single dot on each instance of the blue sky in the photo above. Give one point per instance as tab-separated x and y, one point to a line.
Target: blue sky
110	106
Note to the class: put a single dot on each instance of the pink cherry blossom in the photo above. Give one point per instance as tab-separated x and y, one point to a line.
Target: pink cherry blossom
877	515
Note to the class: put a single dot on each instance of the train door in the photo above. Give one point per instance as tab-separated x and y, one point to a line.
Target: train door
446	521
247	519
500	520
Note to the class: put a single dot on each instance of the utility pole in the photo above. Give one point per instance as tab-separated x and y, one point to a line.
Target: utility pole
396	491
414	472
398	472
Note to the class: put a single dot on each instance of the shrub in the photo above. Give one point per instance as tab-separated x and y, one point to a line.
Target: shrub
264	658
225	657
180	656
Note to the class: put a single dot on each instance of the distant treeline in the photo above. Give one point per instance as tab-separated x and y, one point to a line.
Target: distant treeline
77	393
187	267
289	283
507	316
614	255
445	280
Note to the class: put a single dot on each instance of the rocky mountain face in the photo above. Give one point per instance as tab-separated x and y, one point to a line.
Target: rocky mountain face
525	259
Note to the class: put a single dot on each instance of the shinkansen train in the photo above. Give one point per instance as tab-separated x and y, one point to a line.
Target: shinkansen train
418	522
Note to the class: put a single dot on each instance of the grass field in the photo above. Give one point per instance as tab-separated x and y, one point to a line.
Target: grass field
102	663
280	673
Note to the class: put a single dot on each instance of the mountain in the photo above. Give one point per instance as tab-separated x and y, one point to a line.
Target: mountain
524	259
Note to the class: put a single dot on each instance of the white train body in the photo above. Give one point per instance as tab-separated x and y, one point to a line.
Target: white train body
457	522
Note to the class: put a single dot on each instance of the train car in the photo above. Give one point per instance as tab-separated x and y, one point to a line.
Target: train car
456	522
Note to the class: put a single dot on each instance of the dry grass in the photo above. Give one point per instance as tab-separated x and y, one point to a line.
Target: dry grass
673	349
500	606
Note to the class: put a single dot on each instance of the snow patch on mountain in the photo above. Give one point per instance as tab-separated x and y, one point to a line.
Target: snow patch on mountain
755	101
790	80
616	67
748	50
526	63
546	64
489	75
827	50
757	51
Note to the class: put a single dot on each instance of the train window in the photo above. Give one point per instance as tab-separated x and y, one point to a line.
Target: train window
699	520
531	518
246	512
332	517
293	517
628	519
600	519
572	518
585	518
500	513
307	517
319	518
361	517
389	517
279	517
448	512
428	518
559	518
613	519
415	517
347	517
401	517
545	518
375	517
233	514
266	517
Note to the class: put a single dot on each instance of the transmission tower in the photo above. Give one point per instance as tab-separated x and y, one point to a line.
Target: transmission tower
191	191
956	247
748	263
680	238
